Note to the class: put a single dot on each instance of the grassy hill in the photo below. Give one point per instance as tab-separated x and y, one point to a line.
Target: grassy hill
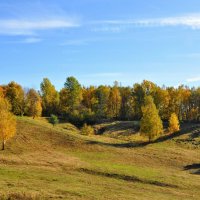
46	162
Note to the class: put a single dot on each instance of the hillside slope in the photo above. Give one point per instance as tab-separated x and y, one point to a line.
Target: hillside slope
42	162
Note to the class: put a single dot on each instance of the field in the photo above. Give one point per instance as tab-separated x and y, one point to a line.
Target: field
46	162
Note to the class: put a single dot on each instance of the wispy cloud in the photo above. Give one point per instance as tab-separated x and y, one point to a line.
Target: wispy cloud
31	40
84	41
29	27
194	79
77	42
191	21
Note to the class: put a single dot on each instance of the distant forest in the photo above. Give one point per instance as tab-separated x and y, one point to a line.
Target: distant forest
80	105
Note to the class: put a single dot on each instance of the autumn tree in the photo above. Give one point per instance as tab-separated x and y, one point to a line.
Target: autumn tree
102	95
161	99
127	104
33	104
173	123
63	96
151	124
138	98
15	94
89	98
114	102
50	97
1	92
7	122
194	104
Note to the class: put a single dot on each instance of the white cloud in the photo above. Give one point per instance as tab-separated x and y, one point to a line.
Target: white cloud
84	41
31	40
113	29
29	27
194	79
75	42
190	20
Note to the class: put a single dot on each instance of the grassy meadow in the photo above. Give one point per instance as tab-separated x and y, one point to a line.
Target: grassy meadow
46	162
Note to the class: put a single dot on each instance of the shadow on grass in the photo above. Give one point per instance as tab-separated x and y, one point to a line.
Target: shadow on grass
163	138
127	127
125	178
194	167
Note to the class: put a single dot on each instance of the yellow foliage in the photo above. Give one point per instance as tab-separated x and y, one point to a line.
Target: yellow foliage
87	130
7	122
34	105
151	124
174	123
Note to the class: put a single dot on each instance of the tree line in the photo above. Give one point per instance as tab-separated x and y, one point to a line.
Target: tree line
80	104
145	102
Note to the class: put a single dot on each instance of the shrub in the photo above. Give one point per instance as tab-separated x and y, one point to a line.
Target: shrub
53	120
87	130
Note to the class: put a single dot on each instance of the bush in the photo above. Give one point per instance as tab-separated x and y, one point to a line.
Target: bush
87	130
53	120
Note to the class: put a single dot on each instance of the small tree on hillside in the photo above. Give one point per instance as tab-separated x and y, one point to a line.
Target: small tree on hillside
53	120
151	124
7	122
173	123
87	130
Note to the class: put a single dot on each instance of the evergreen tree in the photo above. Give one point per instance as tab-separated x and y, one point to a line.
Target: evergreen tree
173	123
151	124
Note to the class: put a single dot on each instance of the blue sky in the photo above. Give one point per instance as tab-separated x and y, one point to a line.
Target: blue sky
100	41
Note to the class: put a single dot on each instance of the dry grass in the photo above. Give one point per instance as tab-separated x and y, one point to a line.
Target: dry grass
42	162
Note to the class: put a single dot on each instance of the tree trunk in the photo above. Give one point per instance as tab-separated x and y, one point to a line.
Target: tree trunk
3	144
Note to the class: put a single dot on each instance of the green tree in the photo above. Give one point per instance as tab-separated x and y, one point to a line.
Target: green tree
174	123
74	94
53	120
50	97
33	104
151	124
7	122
